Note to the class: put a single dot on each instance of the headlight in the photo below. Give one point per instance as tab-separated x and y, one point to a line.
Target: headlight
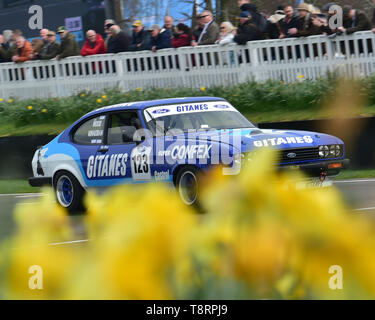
331	151
323	151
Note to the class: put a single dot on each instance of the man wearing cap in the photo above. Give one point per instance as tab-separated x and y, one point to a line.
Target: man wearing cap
53	47
247	30
120	41
160	39
306	26
69	46
141	39
93	45
207	31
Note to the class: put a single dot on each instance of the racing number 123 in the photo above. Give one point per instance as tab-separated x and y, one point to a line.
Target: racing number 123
140	162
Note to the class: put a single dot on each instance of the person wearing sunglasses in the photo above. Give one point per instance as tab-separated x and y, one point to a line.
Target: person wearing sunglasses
207	31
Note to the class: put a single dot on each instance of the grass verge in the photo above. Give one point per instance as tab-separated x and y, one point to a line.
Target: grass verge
11	186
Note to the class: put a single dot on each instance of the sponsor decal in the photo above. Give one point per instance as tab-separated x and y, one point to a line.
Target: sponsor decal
161	176
280	141
160	111
191	152
221	106
107	166
192	107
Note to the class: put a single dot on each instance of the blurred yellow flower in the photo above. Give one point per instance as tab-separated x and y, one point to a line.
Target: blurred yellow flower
301	76
1	99
262	236
203	88
10	100
44	111
99	100
30	107
139	89
104	96
83	95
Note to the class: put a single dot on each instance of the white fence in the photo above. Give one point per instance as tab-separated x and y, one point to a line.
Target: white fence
286	60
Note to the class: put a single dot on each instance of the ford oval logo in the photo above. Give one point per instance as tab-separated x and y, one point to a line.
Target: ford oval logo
160	111
291	155
221	106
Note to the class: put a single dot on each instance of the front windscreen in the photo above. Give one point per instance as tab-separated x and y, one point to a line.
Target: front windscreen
197	116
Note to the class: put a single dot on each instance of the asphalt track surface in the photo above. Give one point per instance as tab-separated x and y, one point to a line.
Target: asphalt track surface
359	194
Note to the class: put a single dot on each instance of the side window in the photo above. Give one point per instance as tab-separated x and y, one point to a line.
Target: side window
90	132
122	127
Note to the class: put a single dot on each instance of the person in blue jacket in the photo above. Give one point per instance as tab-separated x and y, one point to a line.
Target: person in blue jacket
160	38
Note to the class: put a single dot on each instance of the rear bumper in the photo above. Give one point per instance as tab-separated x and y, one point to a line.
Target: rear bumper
40	182
330	167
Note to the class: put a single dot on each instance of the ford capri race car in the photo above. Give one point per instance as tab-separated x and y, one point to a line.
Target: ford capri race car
169	140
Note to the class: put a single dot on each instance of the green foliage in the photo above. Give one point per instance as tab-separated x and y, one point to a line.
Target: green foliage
249	98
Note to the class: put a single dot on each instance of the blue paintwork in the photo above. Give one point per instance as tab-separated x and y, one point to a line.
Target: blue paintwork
81	153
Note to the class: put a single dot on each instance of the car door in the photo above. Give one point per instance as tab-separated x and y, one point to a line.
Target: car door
87	137
124	160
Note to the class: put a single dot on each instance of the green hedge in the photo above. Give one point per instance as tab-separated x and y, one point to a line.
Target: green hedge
249	98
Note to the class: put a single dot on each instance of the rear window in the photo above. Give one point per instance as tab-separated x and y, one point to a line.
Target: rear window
90	132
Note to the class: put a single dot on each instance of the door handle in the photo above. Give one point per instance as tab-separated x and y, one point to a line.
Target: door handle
103	149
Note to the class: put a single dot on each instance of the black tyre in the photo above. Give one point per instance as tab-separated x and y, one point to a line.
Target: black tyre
69	192
187	184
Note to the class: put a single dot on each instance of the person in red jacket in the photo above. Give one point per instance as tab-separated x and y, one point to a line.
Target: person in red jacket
182	36
94	44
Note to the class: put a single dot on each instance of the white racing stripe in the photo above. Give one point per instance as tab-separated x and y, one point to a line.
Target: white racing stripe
22	195
355	181
68	242
365	209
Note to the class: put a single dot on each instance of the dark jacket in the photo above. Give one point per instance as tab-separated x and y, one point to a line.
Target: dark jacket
69	46
287	24
210	36
247	32
360	22
143	39
51	52
4	53
162	41
306	27
120	43
256	16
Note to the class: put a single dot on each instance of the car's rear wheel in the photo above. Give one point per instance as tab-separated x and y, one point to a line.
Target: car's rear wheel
187	183
69	192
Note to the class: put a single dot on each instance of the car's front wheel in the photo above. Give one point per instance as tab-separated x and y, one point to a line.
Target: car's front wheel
69	192
187	183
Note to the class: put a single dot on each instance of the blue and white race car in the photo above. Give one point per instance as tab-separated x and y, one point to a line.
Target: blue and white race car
170	140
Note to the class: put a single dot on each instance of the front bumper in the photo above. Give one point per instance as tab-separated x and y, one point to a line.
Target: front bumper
40	182
315	169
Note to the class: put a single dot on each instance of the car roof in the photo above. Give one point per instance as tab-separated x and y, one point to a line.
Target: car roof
140	105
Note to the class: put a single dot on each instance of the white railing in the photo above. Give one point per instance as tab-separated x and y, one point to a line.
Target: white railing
286	60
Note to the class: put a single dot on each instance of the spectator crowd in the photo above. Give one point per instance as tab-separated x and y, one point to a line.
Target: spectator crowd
286	22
